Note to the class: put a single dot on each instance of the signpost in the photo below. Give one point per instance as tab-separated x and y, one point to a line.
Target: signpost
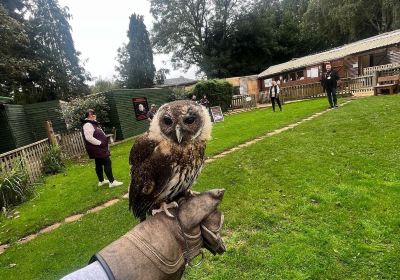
216	114
141	108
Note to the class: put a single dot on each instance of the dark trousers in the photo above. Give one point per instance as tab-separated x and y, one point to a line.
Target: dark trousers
331	93
273	99
104	163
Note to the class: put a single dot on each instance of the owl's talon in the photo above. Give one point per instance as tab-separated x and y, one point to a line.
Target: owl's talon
192	193
164	208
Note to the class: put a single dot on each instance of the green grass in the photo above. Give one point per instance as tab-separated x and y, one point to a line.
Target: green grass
242	127
319	201
76	189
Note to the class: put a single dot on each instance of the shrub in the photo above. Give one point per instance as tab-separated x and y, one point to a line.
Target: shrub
52	161
14	187
218	92
75	109
179	94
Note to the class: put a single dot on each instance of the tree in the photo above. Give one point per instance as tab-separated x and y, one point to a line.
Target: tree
136	68
102	85
160	76
182	27
15	56
60	74
230	38
38	60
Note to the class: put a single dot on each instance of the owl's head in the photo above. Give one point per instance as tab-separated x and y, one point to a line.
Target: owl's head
181	121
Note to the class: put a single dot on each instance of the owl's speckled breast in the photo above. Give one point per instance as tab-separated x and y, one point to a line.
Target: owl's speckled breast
186	164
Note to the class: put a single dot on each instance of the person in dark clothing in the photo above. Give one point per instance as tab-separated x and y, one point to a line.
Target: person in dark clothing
329	83
274	93
204	101
151	113
96	144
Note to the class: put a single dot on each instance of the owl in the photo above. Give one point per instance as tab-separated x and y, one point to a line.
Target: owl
168	158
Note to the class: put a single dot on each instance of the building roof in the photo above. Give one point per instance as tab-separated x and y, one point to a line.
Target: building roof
181	81
379	41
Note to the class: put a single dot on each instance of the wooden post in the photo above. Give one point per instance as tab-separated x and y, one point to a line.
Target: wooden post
50	133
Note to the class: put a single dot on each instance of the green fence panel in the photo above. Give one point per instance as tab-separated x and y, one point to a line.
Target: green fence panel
14	129
122	113
38	113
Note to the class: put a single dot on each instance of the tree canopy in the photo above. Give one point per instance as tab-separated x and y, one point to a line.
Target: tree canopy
135	60
38	59
230	37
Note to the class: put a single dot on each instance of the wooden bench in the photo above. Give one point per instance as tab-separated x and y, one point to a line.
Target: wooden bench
387	82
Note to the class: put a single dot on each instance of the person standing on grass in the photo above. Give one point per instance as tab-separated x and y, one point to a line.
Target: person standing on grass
96	144
329	83
274	93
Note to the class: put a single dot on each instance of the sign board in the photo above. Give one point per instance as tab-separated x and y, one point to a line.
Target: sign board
216	114
268	82
141	108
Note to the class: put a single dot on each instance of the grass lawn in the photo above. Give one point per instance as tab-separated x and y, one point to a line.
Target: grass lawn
76	190
319	201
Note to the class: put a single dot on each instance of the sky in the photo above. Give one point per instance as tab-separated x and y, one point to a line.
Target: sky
99	28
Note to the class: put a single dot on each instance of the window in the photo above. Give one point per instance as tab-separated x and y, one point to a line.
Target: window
300	75
267	82
312	72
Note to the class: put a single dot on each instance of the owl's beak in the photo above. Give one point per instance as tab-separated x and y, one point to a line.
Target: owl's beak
178	133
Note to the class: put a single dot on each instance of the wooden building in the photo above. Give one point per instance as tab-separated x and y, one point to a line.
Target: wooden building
353	61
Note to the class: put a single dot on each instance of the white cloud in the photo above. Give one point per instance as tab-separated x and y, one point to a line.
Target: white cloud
99	29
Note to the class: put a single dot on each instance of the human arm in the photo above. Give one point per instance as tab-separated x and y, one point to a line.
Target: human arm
88	131
337	78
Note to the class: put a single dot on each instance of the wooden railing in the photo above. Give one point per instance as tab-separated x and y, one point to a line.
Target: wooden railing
243	102
72	144
372	70
358	85
395	70
302	91
30	156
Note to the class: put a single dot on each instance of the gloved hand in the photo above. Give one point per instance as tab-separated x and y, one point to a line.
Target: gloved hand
160	247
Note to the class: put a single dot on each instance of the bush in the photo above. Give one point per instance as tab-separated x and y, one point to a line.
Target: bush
52	161
75	109
218	92
179	94
14	187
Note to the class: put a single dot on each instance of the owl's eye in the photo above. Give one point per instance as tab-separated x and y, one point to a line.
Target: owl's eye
189	120
167	120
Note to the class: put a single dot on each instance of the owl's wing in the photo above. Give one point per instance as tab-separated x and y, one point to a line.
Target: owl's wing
150	171
141	173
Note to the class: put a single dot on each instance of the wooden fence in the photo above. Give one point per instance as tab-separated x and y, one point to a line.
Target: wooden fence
386	67
394	70
302	91
243	102
29	156
362	85
72	144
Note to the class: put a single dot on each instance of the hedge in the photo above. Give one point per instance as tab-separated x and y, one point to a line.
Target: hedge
218	92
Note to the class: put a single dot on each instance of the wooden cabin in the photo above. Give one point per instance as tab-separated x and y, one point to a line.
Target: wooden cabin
356	63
